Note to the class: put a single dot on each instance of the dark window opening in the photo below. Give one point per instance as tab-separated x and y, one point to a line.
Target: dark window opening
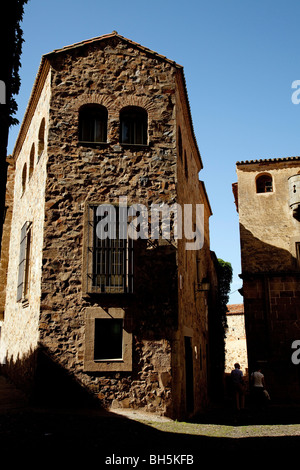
112	252
24	178
41	140
264	184
31	161
108	339
133	126
93	124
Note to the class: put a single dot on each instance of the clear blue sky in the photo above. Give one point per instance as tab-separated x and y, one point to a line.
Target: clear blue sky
240	58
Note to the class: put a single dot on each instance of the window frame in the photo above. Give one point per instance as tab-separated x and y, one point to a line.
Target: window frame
135	116
89	112
24	178
41	139
116	364
92	273
260	176
31	160
24	268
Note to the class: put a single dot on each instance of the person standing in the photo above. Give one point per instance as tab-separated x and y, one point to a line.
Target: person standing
258	386
238	386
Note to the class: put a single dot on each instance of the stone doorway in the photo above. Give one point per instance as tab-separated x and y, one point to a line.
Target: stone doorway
189	375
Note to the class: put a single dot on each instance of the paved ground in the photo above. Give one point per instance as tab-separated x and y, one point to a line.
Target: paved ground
56	436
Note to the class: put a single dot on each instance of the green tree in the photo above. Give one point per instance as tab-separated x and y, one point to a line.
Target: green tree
11	36
224	272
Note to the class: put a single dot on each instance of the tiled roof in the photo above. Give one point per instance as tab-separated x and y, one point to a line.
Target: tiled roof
269	160
235	309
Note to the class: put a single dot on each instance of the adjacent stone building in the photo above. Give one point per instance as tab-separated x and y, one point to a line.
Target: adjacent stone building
267	196
235	344
108	123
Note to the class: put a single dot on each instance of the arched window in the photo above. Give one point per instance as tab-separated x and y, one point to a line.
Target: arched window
24	176
93	123
133	126
264	183
31	161
41	138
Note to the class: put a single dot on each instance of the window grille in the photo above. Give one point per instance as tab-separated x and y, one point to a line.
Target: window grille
110	259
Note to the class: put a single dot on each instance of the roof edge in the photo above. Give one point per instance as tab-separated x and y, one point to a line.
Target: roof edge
268	160
114	34
40	79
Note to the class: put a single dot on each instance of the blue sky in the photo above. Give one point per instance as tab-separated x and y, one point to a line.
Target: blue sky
240	58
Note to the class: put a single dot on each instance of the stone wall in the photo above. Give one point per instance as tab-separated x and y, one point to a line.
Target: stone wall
236	346
6	233
196	270
113	75
268	228
20	332
55	330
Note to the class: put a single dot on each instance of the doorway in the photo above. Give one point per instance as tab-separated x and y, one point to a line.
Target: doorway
189	375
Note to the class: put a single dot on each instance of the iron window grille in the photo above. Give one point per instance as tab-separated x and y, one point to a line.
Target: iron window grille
24	263
110	260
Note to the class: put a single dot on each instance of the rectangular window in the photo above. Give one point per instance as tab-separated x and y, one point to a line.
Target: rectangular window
24	263
108	339
110	256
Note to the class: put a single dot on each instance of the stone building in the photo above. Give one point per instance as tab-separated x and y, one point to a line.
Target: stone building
235	344
267	196
108	123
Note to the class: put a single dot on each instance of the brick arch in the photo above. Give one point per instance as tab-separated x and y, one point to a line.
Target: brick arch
103	100
134	100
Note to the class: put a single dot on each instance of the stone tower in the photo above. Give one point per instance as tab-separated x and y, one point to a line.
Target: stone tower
127	319
268	200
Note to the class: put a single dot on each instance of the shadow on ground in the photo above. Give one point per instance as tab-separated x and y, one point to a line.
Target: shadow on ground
86	435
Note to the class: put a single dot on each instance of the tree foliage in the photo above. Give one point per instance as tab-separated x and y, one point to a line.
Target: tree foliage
224	272
11	58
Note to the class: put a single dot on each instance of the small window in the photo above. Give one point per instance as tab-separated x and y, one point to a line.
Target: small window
24	263
31	161
108	339
93	124
264	184
41	144
133	126
24	178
